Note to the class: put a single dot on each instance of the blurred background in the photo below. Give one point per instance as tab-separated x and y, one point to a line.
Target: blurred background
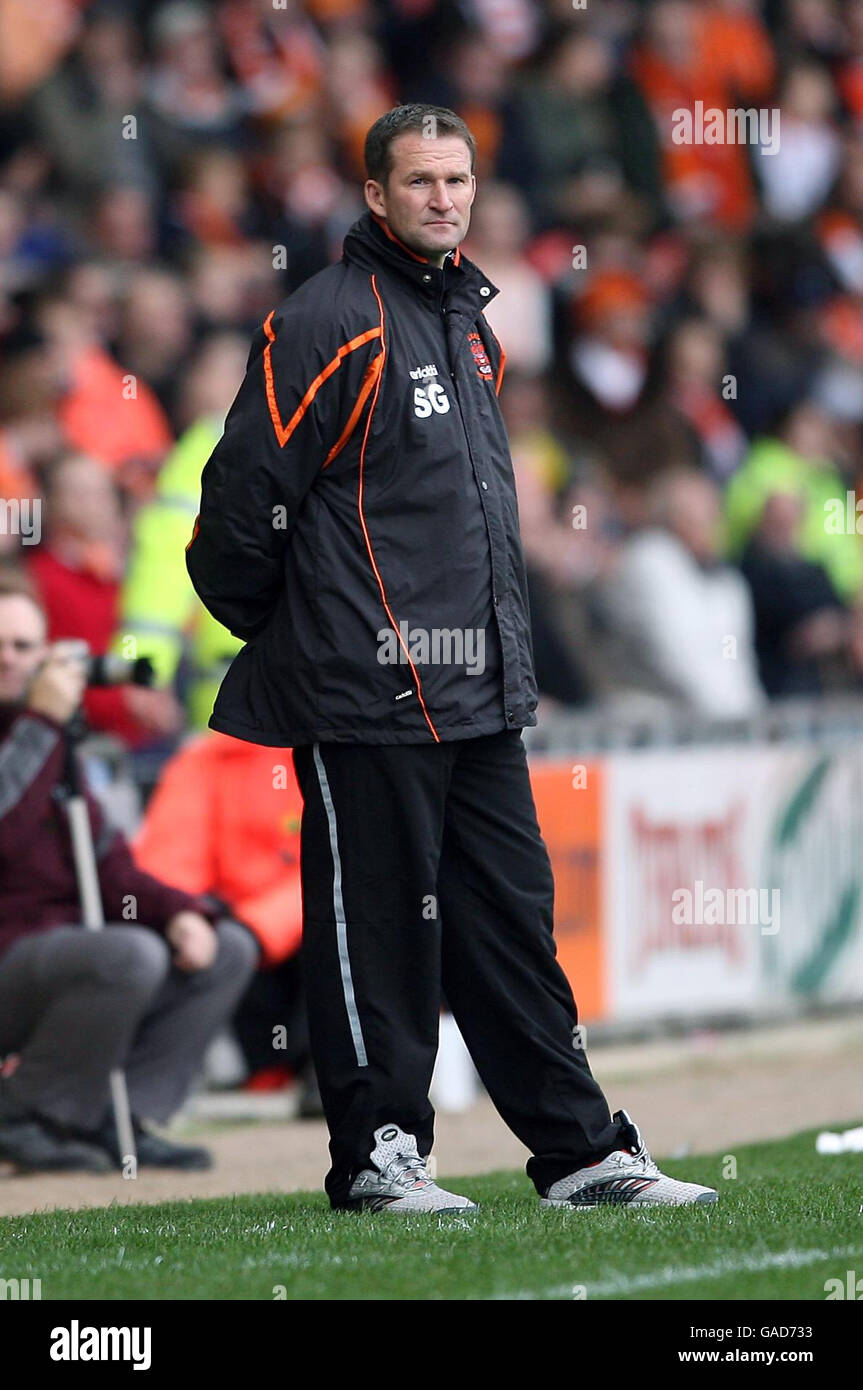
684	395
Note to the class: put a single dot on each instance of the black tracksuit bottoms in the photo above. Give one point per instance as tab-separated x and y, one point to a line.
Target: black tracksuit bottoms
423	870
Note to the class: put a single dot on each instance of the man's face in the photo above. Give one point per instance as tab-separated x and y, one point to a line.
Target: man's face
427	198
22	646
694	517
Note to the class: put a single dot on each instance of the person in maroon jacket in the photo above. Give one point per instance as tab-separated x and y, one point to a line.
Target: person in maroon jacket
147	994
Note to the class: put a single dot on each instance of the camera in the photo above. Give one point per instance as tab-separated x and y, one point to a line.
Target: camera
108	669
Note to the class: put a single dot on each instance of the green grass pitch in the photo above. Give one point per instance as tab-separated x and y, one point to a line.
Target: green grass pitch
789	1221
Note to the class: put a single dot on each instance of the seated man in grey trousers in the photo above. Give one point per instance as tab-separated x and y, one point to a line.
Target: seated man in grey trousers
146	994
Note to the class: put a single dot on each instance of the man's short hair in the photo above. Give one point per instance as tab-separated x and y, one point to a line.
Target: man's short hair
15	583
419	117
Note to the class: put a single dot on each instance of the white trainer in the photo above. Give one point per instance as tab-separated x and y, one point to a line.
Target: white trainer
400	1181
627	1177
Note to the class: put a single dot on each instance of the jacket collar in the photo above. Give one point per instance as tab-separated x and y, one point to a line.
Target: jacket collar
370	244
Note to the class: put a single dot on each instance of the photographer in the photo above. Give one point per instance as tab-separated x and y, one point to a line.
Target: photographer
147	994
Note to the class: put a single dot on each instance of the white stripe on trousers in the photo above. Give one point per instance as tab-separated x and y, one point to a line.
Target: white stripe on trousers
339	910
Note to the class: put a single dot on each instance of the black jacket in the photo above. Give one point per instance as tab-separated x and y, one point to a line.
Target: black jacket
358	524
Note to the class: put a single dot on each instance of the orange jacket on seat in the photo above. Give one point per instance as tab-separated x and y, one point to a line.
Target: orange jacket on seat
225	819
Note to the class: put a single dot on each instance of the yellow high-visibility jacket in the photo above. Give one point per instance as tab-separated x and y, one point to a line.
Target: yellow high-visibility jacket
159	607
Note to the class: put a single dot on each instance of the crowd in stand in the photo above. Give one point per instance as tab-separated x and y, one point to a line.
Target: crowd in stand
683	321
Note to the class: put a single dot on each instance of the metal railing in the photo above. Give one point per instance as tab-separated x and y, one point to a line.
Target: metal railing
610	729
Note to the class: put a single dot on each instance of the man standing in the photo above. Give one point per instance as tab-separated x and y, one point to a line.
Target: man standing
359	530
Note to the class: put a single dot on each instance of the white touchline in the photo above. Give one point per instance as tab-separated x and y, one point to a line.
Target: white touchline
749	1264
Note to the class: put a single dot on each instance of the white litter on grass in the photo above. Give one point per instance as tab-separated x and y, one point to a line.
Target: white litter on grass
693	1274
847	1141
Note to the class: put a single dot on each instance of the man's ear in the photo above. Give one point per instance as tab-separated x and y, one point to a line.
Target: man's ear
375	197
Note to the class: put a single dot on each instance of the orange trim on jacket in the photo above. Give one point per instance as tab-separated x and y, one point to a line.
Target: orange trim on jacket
373	371
284	432
392	236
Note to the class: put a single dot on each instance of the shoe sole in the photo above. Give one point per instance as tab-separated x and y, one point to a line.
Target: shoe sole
406	1211
704	1199
438	1211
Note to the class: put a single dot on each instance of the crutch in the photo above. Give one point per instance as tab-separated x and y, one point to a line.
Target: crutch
92	910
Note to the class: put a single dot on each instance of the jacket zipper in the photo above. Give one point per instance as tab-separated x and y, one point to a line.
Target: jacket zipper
494	596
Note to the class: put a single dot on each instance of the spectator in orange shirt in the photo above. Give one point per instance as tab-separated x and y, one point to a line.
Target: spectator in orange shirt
277	56
715	56
226	814
105	412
